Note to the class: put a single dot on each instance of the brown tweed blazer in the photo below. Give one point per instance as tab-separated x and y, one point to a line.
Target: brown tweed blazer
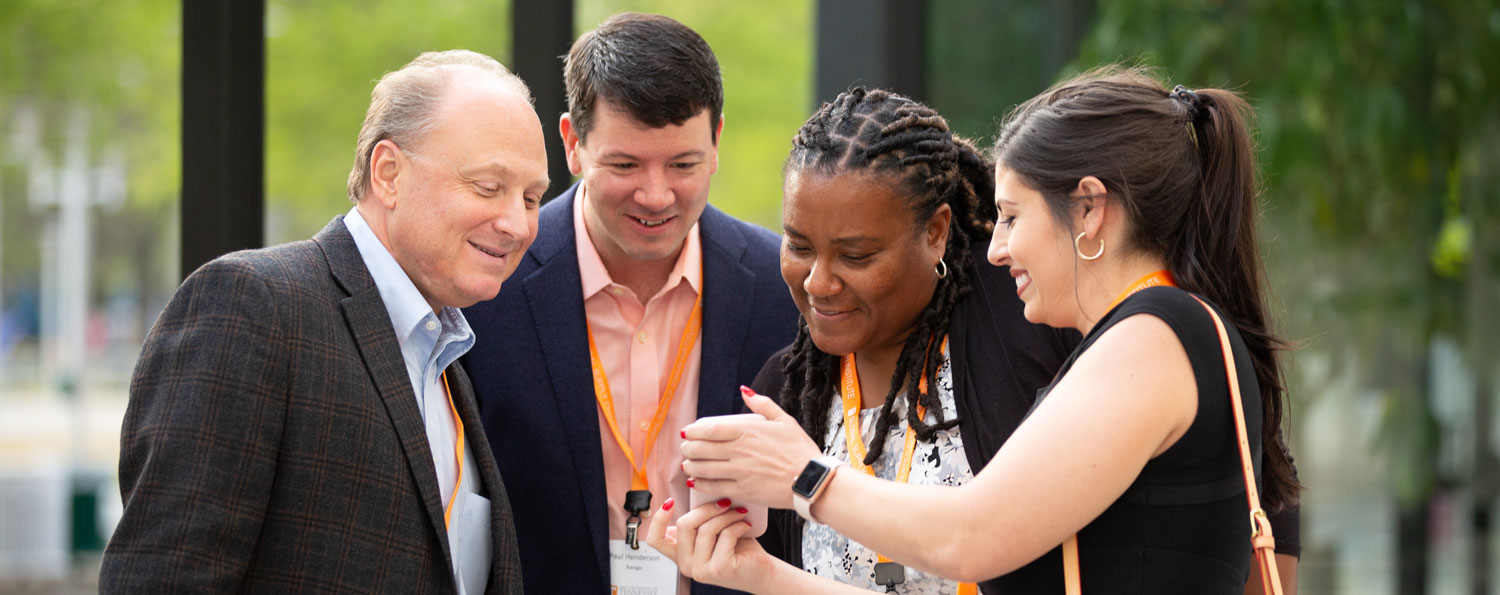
273	443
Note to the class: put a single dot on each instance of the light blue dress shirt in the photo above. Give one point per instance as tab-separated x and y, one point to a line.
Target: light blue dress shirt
430	342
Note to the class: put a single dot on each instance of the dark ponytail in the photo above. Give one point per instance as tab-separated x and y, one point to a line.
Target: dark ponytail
1181	165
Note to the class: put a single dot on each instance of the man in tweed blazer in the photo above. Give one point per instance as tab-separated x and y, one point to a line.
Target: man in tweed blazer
297	420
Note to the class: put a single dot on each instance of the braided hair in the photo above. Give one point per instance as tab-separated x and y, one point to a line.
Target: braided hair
909	144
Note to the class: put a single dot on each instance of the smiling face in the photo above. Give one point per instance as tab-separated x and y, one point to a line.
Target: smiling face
1038	249
643	187
458	208
859	267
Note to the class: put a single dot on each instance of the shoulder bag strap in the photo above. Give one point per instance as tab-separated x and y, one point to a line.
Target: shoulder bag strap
1261	540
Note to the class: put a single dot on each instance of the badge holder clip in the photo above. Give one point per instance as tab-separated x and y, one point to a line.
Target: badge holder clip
889	574
636	502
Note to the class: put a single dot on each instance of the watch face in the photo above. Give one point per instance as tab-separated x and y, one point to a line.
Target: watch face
812	475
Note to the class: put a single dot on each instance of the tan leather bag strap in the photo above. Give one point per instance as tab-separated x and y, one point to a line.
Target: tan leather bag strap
1263	544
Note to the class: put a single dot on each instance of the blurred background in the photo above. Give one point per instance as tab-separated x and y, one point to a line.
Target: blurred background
1379	132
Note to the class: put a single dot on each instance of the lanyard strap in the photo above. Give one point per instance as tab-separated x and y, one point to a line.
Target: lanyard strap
458	453
606	399
855	442
852	400
1150	280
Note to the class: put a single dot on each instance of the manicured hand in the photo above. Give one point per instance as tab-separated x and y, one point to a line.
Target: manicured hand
707	546
748	460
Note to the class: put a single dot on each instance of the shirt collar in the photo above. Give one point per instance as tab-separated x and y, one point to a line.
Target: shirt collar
409	311
688	268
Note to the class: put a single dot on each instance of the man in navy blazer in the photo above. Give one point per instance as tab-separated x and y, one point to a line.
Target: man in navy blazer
617	255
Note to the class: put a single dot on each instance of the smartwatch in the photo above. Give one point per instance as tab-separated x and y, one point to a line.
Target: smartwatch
810	484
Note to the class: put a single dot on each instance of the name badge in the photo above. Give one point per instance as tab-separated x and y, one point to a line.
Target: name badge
640	572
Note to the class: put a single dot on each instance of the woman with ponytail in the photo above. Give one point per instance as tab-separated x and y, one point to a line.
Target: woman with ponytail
1121	204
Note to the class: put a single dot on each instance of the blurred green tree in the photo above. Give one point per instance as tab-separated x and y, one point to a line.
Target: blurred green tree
111	71
322	59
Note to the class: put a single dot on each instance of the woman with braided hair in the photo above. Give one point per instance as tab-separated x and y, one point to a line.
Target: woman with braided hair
1127	213
884	208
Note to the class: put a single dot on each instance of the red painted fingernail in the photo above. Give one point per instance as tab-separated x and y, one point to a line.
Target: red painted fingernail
742	510
690	482
724	502
684	433
745	390
665	506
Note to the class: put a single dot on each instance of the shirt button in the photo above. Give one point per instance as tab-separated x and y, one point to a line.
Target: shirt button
641	336
432	325
617	290
645	426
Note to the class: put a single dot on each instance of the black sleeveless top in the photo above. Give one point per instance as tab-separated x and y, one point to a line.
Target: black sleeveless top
1183	526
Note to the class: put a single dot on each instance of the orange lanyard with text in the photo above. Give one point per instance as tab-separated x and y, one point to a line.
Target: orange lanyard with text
606	399
852	404
855	443
1163	278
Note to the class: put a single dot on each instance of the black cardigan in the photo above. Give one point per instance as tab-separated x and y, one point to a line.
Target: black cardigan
999	362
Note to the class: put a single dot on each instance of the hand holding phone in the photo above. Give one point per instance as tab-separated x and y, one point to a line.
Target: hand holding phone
757	514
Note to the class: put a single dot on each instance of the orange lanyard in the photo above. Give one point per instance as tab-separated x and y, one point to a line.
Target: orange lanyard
606	399
856	443
458	452
1148	281
852	401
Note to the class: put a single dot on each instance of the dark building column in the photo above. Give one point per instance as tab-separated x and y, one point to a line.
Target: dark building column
541	33
223	128
874	43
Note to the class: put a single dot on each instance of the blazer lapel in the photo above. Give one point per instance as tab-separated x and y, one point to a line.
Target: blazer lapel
554	294
504	566
370	326
727	290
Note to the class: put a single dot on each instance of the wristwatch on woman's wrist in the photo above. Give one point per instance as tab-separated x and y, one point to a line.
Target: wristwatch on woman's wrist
810	484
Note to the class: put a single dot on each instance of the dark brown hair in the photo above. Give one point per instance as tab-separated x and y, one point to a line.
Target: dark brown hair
910	145
656	69
1181	165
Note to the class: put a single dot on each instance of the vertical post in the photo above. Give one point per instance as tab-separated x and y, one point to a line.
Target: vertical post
223	128
1486	473
541	33
880	43
905	47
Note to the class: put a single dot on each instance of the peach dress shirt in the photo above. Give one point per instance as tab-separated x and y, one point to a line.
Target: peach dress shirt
637	345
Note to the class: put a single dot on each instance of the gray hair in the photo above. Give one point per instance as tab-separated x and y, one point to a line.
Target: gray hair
404	103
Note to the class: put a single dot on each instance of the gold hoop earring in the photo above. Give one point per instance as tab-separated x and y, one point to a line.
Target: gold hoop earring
941	268
1079	249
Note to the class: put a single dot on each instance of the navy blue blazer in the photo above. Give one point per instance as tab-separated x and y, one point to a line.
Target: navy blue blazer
532	378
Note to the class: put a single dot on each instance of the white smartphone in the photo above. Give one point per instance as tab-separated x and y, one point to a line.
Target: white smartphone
757	514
